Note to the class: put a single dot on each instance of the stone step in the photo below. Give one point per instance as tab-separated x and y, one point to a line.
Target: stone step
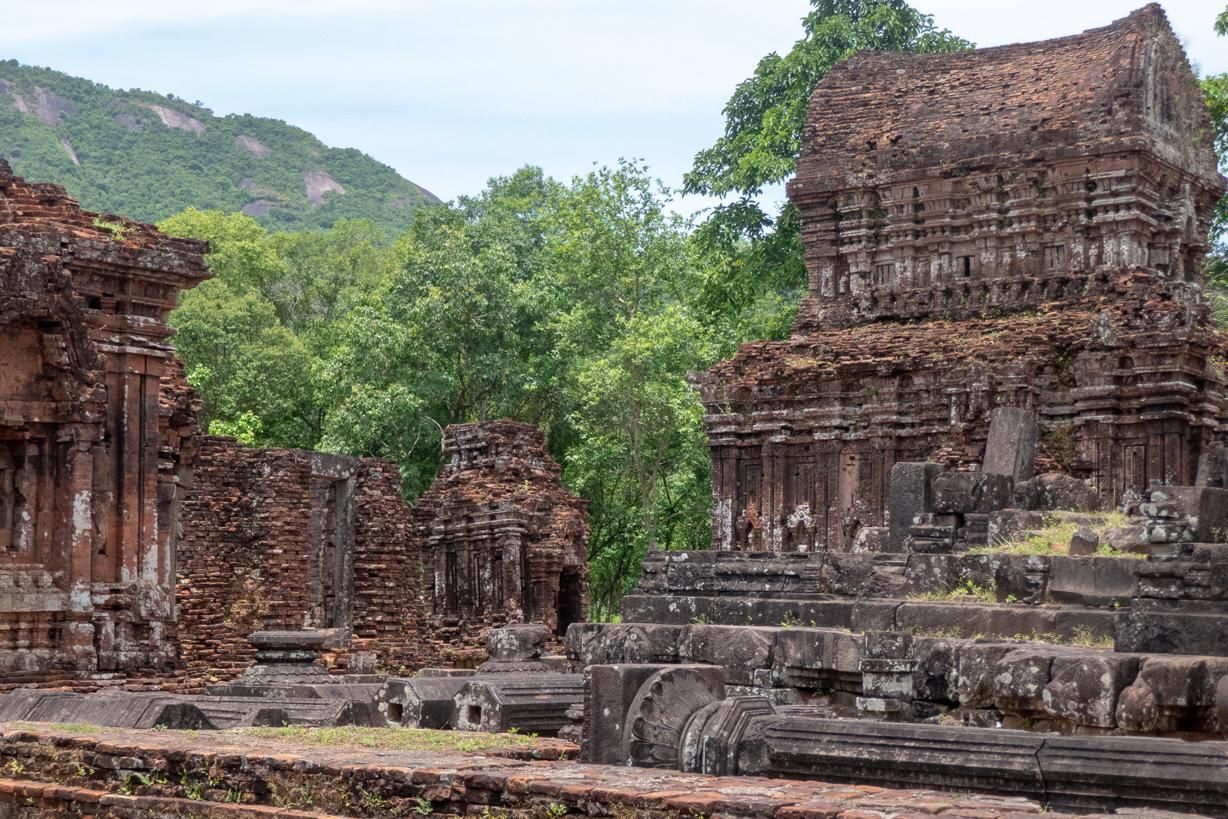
981	682
1201	575
1067	773
954	619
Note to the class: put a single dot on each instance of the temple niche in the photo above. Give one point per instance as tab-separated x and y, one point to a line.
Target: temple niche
1016	226
502	540
95	423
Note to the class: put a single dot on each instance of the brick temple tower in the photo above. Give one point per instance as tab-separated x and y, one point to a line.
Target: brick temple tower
1024	226
94	416
502	540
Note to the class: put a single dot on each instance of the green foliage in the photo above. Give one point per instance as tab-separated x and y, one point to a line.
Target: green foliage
754	272
129	162
564	305
1215	90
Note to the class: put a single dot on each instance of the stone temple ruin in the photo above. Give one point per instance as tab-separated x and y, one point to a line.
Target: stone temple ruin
1018	226
1005	341
503	541
134	547
970	531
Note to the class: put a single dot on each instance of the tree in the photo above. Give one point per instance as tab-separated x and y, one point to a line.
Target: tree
754	260
640	456
251	371
1215	90
448	335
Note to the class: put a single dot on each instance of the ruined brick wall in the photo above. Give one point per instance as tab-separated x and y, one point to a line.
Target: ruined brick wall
390	615
1022	225
243	564
95	421
288	539
502	540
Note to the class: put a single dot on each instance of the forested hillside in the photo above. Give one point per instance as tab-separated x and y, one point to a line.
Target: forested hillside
148	156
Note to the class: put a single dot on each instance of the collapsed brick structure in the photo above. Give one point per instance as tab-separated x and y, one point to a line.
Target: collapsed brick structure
502	540
95	426
290	539
1022	225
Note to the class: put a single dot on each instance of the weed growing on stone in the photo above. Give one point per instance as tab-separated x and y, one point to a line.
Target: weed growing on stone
72	727
1053	539
116	230
965	591
1084	636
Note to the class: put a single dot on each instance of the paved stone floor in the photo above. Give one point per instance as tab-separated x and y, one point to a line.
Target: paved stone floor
48	770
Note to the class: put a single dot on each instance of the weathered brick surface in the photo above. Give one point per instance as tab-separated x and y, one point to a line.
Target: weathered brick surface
502	540
288	539
1019	226
95	428
352	781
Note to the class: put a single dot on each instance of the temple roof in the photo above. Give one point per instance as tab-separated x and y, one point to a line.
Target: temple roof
891	116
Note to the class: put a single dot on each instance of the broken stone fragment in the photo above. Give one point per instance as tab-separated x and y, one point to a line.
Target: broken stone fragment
1083	542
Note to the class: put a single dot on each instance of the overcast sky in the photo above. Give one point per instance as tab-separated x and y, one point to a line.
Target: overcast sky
452	92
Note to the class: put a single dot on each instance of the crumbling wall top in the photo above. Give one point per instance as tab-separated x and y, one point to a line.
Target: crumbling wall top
1123	87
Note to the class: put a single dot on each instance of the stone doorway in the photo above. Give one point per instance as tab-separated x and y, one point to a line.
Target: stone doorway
571	601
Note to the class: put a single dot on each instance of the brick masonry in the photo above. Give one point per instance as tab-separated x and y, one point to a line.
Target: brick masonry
1020	226
84	774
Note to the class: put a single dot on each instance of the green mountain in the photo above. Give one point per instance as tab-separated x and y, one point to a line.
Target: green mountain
146	156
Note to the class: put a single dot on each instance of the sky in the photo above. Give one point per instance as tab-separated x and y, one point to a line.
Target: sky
453	92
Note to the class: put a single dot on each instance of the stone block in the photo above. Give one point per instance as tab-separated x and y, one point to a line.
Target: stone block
977	666
604	643
1053	491
1021	578
817	659
535	703
1084	689
955	493
870	615
859	575
673	609
1020	678
935	677
419	702
931	574
712	738
969	493
1083	542
1011	447
895	755
1206	506
520	641
1167	695
740	650
908	495
1006	523
661	709
1084	774
608	693
1165	631
1091	581
117	709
